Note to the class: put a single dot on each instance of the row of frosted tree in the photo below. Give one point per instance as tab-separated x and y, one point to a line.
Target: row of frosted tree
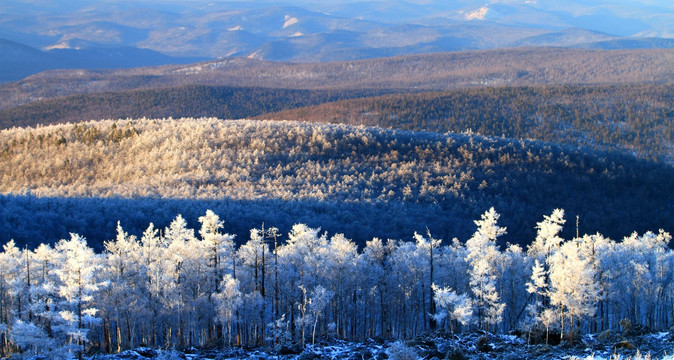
172	287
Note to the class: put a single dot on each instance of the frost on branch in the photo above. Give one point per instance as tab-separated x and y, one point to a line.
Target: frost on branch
160	289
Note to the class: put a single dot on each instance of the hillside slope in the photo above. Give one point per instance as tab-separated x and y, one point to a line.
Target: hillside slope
442	71
636	119
181	101
362	181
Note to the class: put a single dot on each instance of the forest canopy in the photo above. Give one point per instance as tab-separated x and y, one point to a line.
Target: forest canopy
635	119
380	182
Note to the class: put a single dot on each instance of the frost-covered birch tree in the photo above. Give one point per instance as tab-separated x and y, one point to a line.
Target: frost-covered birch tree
573	287
77	288
482	256
159	290
123	300
457	308
319	300
228	300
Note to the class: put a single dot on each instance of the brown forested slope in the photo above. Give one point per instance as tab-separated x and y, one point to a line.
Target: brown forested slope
636	119
633	118
181	101
442	71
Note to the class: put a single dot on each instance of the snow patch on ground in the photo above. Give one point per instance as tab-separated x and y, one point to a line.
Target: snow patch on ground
256	55
661	335
437	345
478	14
63	45
290	21
483	13
190	70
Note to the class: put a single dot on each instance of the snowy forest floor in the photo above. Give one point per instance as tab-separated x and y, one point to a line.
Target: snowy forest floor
609	345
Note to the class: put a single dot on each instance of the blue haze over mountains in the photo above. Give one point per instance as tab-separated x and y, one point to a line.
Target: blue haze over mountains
45	34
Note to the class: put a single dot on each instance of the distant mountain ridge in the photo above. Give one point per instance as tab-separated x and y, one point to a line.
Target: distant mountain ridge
18	61
308	31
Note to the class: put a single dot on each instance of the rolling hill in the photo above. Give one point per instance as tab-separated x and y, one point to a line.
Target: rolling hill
363	181
442	71
319	31
181	101
635	119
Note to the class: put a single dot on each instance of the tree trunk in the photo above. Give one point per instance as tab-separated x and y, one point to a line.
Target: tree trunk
118	331
431	309
313	333
106	336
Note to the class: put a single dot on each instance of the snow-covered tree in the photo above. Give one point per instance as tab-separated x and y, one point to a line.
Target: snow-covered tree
547	237
159	290
409	267
31	338
218	246
279	330
546	244
513	274
550	320
253	256
303	320
302	257
77	287
161	280
319	300
429	246
573	287
538	286
376	263
10	279
4	341
123	299
228	300
457	308
651	270
483	256
342	278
